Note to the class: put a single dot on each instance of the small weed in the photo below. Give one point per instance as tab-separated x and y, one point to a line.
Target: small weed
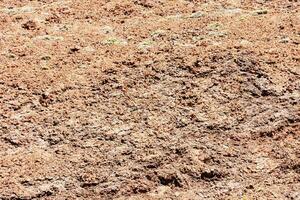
114	41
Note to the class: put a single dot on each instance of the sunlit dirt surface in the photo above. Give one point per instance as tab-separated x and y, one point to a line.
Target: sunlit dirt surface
149	99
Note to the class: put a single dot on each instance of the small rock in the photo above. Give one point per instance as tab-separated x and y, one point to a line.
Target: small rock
284	40
74	50
260	12
45	58
88	49
214	26
217	33
145	44
45	67
211	174
178	16
106	30
261	1
29	25
198	38
197	14
158	33
243	43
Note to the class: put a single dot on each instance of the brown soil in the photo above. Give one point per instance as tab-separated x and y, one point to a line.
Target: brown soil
149	99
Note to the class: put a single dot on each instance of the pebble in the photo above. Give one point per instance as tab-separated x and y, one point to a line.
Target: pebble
284	40
260	12
197	14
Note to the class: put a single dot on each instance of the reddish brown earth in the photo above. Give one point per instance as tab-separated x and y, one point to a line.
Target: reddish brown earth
149	99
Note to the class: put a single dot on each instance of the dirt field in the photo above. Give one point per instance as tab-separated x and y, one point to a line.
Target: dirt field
150	99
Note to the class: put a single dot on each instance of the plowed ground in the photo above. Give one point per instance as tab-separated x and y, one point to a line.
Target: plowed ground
149	99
